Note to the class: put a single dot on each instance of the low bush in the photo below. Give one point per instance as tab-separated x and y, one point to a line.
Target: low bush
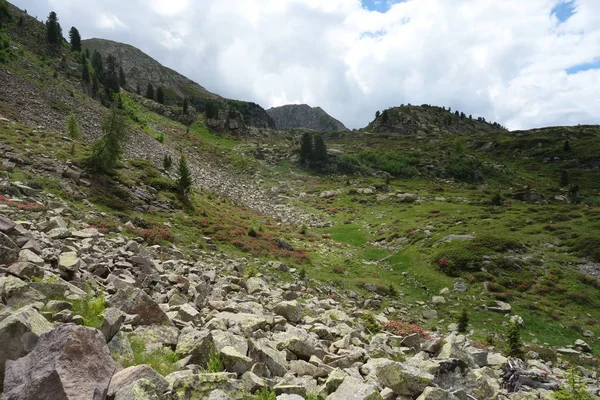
400	328
587	246
371	323
91	309
163	360
456	259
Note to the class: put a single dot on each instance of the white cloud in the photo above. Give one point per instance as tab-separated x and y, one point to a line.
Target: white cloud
501	59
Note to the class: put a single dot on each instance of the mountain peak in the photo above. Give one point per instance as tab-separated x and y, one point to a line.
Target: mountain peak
303	116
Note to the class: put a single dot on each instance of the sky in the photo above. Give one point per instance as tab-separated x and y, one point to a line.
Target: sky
523	63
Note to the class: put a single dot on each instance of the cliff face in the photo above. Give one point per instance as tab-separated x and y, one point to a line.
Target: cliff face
303	116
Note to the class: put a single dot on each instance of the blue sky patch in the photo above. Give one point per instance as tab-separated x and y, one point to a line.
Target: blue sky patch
584	67
564	10
379	5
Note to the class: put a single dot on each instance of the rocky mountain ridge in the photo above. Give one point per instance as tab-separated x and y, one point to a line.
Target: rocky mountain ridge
303	116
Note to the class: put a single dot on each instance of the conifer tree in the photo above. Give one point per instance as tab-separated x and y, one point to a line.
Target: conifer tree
107	151
150	92
85	70
385	116
98	65
306	147
184	181
95	84
320	150
463	321
185	105
111	76
160	95
122	79
53	30
564	178
513	340
75	39
567	146
73	130
377	114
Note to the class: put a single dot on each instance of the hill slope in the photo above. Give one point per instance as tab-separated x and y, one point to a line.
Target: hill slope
142	69
298	116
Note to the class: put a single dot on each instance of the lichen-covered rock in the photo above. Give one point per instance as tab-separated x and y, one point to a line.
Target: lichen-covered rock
401	378
17	293
187	384
255	285
19	334
432	393
127	380
234	361
70	362
290	310
9	251
355	389
195	343
134	301
274	360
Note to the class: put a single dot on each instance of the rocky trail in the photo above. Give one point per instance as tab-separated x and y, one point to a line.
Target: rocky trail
269	330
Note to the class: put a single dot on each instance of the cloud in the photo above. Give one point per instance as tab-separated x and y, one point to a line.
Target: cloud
506	60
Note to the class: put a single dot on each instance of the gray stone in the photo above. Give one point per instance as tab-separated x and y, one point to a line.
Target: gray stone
253	382
290	310
9	251
113	320
355	389
195	343
6	225
17	293
70	362
401	378
187	384
128	376
432	393
274	360
19	333
26	270
28	256
255	285
135	301
234	361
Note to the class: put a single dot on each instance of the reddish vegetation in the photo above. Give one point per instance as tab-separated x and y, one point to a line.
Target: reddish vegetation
404	329
22	206
153	235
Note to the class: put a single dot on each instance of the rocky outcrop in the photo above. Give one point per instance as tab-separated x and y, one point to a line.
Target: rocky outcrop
302	116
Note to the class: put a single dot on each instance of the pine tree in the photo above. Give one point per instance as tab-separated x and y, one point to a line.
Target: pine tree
107	151
306	147
385	116
85	70
185	105
75	39
4	12
377	114
98	65
463	321
567	146
184	181
167	162
73	130
320	151
111	76
95	84
150	92
513	340
122	79
564	178
160	95
53	30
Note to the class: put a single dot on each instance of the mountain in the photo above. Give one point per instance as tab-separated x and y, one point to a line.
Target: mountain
302	116
141	69
431	120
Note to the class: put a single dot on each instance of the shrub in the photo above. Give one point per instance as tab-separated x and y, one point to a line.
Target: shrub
91	309
153	235
453	260
587	246
495	243
265	394
338	269
496	200
250	272
252	233
371	323
167	162
574	389
302	274
465	168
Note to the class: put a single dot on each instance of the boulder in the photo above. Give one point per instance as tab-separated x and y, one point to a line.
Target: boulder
403	379
6	225
185	385
255	285
19	333
355	389
234	361
113	320
432	393
134	301
290	310
17	293
68	264
28	256
70	362
195	343
26	270
274	360
122	381
9	251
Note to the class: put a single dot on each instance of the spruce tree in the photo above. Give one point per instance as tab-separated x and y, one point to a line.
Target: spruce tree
53	30
306	147
73	130
160	95
385	116
320	151
564	178
184	181
98	65
107	151
95	84
185	105
167	162
75	39
150	92
513	340
85	71
377	114
463	321
122	79
111	76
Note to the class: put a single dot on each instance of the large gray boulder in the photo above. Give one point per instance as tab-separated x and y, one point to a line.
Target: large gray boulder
402	379
127	380
261	351
195	343
19	333
9	251
135	301
71	362
355	389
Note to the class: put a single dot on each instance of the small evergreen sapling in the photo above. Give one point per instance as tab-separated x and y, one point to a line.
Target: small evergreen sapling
73	130
184	181
463	321
513	340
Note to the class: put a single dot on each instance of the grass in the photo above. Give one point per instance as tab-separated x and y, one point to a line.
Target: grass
91	309
162	360
265	394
